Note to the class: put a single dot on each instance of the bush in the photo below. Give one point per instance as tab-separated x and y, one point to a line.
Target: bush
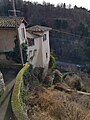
15	54
24	52
51	62
58	76
26	77
48	81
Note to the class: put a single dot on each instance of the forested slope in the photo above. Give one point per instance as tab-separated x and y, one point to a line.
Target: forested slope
71	43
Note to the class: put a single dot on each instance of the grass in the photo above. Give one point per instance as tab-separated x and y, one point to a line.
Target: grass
16	105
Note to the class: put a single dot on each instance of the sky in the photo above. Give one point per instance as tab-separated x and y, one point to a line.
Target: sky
79	3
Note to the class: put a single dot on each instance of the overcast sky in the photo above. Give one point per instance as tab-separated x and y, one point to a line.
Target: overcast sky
79	3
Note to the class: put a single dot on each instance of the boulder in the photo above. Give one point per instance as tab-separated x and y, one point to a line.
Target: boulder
48	81
74	81
2	84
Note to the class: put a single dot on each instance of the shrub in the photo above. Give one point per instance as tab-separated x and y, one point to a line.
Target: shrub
26	77
57	77
52	62
15	54
24	52
48	81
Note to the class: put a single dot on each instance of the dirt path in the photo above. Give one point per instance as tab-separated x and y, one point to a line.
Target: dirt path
5	101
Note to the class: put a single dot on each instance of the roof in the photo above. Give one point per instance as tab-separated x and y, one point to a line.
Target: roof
30	35
34	34
10	22
39	28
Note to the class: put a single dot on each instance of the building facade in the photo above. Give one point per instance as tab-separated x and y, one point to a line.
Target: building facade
38	46
10	27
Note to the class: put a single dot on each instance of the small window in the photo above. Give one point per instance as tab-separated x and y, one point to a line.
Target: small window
23	33
30	42
34	52
30	52
46	55
44	37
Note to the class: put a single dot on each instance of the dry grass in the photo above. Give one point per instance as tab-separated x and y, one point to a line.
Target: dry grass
85	79
55	102
51	104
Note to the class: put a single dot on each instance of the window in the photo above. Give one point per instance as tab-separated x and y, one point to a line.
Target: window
23	33
34	52
46	55
30	52
44	37
30	42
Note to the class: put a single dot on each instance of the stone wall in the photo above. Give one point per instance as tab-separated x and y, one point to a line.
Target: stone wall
7	37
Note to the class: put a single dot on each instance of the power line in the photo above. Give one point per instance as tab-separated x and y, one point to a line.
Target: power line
69	33
17	11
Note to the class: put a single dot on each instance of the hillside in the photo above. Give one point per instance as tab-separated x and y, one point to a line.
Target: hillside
53	104
70	37
57	97
60	88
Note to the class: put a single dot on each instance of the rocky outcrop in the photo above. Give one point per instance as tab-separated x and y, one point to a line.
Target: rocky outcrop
2	84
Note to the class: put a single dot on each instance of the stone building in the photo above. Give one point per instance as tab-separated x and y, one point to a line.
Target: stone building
9	28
